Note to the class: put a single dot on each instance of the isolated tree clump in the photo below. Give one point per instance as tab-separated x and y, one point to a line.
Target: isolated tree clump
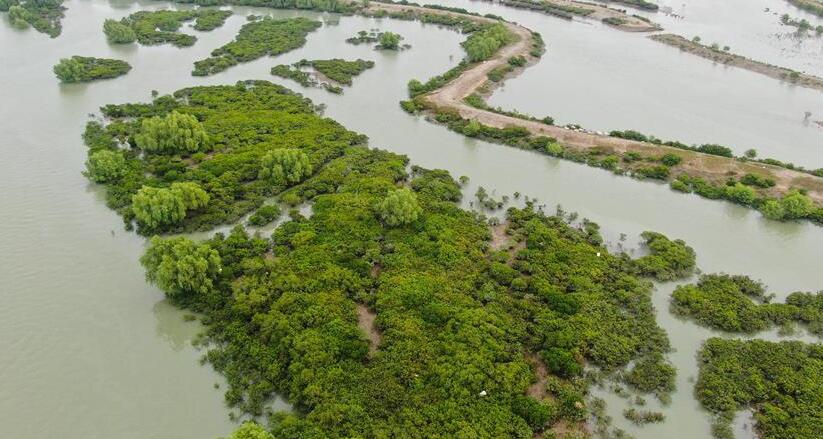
180	267
399	207
155	207
285	166
175	133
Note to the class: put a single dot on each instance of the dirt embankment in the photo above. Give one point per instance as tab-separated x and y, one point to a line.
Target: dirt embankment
742	62
712	168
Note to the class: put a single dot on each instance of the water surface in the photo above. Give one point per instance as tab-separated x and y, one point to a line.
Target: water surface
91	351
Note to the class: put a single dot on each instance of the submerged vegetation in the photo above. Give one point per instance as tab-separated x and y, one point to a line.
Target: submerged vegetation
159	27
84	69
42	15
452	356
739	304
782	383
257	39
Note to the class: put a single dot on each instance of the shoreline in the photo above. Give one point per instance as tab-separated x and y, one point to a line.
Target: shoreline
730	59
713	168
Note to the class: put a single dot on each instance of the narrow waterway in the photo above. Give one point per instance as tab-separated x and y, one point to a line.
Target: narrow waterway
91	351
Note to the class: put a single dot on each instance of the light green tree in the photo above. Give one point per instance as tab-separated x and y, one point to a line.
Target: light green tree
172	134
389	40
773	210
105	166
156	207
180	267
118	33
285	166
399	207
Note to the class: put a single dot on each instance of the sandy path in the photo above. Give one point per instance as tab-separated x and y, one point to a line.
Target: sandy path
365	321
712	168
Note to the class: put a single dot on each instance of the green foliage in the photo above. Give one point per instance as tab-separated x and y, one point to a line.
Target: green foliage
155	207
83	69
285	166
483	44
255	40
670	159
174	133
180	267
389	41
160	27
243	122
739	304
454	321
118	33
340	70
250	430
667	260
265	215
210	19
42	15
782	383
399	207
105	166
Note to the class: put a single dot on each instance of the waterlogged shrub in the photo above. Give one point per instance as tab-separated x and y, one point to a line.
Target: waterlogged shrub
118	32
257	39
400	207
175	133
667	260
389	41
83	69
783	382
264	215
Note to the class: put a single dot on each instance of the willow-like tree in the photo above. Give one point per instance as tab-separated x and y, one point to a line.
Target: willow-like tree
389	40
155	207
174	133
105	166
285	166
180	267
399	207
118	33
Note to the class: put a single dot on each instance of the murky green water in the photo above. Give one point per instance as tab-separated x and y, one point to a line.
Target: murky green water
90	351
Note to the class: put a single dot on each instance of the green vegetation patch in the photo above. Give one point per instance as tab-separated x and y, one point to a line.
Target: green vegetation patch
225	140
86	68
257	39
42	15
159	27
455	353
337	70
739	304
781	382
